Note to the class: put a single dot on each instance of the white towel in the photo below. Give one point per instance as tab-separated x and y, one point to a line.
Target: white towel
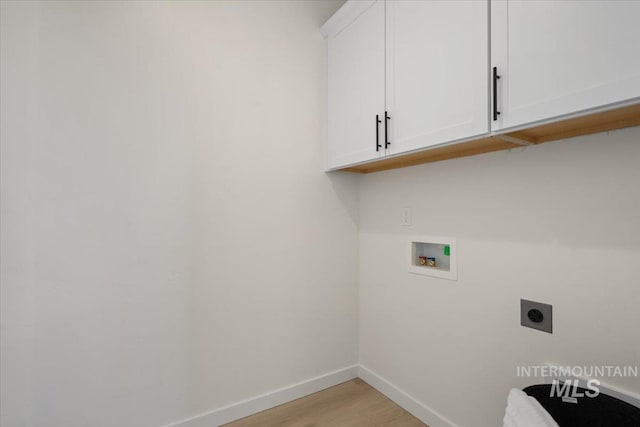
525	411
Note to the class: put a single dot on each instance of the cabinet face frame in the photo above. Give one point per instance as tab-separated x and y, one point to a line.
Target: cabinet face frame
437	79
355	84
583	86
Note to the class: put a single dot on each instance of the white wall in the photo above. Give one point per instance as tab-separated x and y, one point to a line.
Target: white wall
170	244
557	223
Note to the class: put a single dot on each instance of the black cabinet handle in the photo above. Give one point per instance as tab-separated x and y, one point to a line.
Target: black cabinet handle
378	121
496	113
386	130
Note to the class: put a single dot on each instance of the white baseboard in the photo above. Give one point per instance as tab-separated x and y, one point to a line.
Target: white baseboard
403	399
268	400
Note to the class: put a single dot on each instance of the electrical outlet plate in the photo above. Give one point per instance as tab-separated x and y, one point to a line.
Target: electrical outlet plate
406	216
536	315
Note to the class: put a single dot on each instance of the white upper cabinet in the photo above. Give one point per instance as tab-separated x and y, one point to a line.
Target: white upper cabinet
424	80
437	72
556	58
356	83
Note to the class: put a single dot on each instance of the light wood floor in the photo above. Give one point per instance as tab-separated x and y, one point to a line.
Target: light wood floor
351	404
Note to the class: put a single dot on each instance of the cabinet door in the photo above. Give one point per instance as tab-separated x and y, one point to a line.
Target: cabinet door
437	72
356	88
561	57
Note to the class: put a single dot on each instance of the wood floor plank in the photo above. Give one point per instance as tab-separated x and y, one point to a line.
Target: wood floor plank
351	404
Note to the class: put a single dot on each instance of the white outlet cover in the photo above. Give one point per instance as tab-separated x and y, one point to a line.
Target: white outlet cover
406	216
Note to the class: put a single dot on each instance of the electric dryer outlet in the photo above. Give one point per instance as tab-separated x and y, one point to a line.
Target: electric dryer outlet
536	315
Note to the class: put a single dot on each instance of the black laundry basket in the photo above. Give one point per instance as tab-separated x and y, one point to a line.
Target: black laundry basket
599	411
